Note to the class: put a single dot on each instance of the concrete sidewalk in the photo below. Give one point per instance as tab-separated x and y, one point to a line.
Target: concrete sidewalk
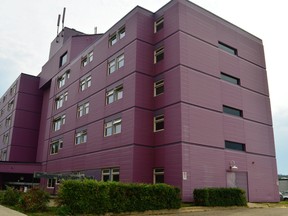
4	211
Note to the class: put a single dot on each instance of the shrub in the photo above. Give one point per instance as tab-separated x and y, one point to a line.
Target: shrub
11	197
220	197
92	197
33	200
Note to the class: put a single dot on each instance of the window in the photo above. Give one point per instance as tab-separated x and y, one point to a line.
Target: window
158	87
112	127
55	146
85	83
3	155
116	36
120	61
121	32
158	123
230	79
51	182
235	146
63	59
81	137
115	64
227	48
87	59
158	175
10	105
63	78
1	112
8	121
114	94
13	89
111	174
158	55
112	39
58	122
59	101
83	109
159	24
4	98
6	138
232	111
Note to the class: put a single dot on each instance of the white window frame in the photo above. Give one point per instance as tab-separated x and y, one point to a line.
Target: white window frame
58	122
55	146
51	182
112	127
63	59
87	59
83	109
157	23
111	173
157	171
114	94
158	84
81	137
158	119
59	101
157	53
85	83
8	121
10	105
6	138
62	79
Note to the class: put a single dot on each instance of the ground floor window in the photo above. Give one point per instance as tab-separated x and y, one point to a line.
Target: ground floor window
158	175
111	174
51	183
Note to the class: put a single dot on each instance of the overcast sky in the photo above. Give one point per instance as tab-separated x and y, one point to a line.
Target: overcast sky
28	27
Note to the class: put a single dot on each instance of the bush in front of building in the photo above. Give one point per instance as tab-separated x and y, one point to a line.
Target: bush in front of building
219	197
35	199
11	197
93	197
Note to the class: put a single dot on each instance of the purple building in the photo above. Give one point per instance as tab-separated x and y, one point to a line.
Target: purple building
178	96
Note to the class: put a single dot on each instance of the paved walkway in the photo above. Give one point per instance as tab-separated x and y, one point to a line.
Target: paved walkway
4	211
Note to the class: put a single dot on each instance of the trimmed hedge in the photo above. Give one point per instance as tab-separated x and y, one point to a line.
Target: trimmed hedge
220	197
93	197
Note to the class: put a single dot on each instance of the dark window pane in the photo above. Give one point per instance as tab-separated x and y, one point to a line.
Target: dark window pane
159	90
160	57
227	48
116	177
234	146
159	178
159	125
230	79
232	111
106	178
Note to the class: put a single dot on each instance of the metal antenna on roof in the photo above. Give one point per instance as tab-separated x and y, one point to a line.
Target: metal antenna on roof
63	19
58	24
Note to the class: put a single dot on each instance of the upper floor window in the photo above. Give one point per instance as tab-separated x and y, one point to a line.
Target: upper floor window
10	105
227	48
158	87
8	121
112	127
232	111
87	59
85	83
62	79
115	64
114	94
235	146
4	98
159	24
158	123
3	155
55	146
158	55
1	112
111	174
13	89
83	109
59	101
58	122
81	137
6	138
116	36
230	79
63	59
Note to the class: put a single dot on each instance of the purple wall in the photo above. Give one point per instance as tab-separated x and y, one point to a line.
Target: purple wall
193	142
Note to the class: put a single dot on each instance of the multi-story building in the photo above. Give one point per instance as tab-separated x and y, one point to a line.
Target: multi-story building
178	96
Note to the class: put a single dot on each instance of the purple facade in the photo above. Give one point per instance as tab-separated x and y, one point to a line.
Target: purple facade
178	96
